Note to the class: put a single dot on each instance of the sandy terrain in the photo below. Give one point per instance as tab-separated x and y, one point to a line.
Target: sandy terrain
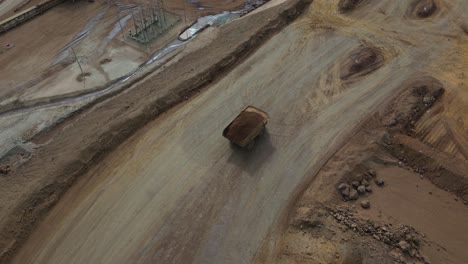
179	194
176	191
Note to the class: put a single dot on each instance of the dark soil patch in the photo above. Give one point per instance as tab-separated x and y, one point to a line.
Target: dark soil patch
361	62
104	61
424	8
83	76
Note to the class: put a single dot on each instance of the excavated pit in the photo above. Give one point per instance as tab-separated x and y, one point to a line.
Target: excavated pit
345	6
361	62
424	8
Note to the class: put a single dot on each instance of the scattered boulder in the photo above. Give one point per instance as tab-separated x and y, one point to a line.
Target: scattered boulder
361	186
411	238
361	189
414	253
365	204
343	186
372	173
396	254
380	182
405	246
345	192
353	194
4	170
365	182
403	239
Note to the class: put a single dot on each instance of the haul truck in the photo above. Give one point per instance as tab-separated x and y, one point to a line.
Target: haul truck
246	127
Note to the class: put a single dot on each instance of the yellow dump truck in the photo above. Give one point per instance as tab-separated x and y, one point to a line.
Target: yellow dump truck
246	127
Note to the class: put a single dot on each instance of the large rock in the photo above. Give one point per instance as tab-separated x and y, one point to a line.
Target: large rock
343	186
345	192
405	246
380	182
365	182
361	189
365	204
353	194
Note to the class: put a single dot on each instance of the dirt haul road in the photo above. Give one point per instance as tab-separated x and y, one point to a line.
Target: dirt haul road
177	192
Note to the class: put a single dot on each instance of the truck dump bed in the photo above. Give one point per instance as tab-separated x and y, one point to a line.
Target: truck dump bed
246	126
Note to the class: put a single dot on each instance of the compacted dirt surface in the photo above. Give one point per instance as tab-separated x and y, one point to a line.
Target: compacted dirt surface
38	62
363	159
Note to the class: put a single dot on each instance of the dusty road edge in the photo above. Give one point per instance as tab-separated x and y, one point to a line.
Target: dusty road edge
63	174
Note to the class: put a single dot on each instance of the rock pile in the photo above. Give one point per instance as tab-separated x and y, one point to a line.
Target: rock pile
403	239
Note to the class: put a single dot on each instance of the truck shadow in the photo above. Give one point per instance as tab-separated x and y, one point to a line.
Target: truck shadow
252	160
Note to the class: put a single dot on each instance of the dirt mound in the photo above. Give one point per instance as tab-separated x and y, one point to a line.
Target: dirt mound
420	95
362	61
